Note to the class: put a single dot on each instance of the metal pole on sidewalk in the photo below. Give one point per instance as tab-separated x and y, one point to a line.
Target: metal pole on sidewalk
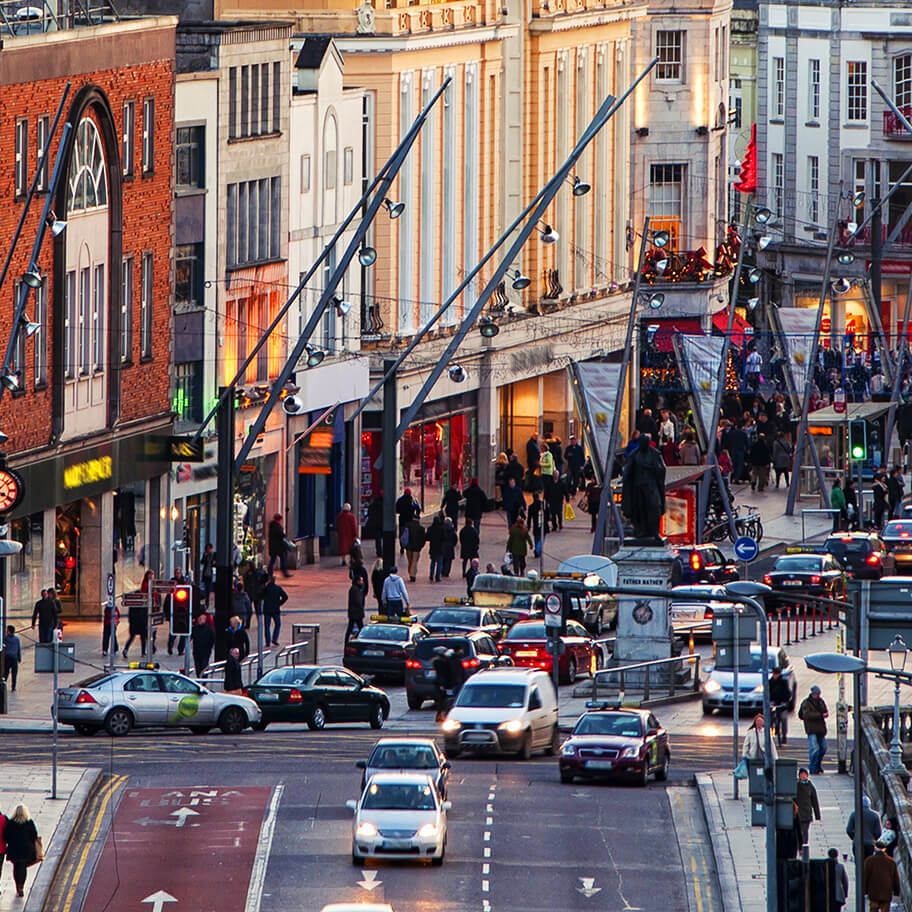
56	706
390	465
735	719
224	523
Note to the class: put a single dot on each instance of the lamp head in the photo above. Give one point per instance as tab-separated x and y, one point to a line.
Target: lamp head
764	242
456	373
315	356
755	275
846	257
898	652
858	199
394	209
656	301
367	256
841	285
580	187
752	303
342	306
549	235
488	328
762	215
292	405
661	238
520	281
32	278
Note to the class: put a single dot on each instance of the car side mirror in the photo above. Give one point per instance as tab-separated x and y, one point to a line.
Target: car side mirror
351	804
446	765
447	805
361	764
652	732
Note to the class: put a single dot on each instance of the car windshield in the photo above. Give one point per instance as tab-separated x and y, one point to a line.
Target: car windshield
799	563
493	696
412	796
526	630
496	582
623	725
403	756
292	676
442	616
388	633
425	648
839	547
756	662
898	530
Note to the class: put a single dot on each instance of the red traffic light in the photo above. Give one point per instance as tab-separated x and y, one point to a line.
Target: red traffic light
182	594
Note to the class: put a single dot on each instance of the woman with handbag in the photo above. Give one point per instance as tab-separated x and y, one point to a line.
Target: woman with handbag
753	747
23	845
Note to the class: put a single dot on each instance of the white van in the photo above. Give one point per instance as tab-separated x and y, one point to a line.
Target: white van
511	710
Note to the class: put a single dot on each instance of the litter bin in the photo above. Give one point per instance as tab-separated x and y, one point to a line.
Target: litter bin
44	658
309	634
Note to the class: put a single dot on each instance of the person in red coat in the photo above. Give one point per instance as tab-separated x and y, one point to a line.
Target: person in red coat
346	530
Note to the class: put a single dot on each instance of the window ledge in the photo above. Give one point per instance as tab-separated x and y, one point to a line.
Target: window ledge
146	359
812	123
40	386
237	267
253	137
190	191
855	125
777	120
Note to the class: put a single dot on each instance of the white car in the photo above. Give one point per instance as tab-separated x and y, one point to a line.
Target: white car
399	815
692	605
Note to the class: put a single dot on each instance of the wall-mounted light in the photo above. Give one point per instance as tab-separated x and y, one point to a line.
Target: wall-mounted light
846	257
488	328
315	356
456	373
394	209
702	130
367	256
520	280
642	132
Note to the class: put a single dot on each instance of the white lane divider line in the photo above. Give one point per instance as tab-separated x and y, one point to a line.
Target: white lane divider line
485	868
264	847
487	852
489	821
487	836
485	906
485	886
489	809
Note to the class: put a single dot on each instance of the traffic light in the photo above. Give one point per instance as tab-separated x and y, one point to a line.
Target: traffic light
858	440
791	886
181	601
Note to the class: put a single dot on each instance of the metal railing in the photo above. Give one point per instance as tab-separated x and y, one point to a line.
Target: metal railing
248	668
828	510
668	682
289	655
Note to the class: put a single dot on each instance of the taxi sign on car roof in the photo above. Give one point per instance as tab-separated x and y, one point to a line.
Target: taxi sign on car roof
806	549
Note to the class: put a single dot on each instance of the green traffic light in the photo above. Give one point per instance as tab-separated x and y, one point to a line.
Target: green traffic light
857	452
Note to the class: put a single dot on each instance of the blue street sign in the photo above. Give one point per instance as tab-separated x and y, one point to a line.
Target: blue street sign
746	548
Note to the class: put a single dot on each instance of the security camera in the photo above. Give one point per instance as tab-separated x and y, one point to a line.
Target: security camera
292	405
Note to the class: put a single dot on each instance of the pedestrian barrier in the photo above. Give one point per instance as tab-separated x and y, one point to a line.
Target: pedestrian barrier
648	676
248	674
828	510
295	654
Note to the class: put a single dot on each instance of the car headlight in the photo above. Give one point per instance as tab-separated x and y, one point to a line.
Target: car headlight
366	829
758	689
630	752
568	750
451	725
712	686
513	727
427	831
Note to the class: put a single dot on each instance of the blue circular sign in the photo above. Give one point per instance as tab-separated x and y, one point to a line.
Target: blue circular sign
746	548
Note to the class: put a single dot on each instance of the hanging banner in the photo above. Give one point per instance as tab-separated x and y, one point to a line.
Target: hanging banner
699	357
315	447
597	390
795	328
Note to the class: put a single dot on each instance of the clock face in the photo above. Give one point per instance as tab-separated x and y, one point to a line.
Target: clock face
11	489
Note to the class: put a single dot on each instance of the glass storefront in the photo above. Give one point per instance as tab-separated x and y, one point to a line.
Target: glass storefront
129	535
26	568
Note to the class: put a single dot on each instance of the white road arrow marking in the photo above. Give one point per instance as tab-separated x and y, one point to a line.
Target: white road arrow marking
182	814
173	795
370	882
588	888
580	795
158	900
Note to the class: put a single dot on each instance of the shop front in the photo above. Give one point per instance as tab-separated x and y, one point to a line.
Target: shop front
541	405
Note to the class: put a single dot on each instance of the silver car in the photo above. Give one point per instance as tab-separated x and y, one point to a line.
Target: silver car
407	755
121	700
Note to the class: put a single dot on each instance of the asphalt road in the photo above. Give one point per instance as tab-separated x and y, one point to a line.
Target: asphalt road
518	838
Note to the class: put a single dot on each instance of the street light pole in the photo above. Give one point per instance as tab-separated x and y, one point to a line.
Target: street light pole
898	653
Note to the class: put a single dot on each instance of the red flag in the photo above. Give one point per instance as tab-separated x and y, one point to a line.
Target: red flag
747	182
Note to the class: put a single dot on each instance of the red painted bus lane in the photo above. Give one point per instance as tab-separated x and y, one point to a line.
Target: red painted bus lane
180	848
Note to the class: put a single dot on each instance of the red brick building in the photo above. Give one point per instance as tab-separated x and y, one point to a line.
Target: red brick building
94	379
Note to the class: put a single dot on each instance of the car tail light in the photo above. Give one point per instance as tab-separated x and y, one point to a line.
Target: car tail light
85	697
398	654
872	559
815	580
696	561
467	663
244	692
767	579
295	696
351	651
413	663
846	538
707	613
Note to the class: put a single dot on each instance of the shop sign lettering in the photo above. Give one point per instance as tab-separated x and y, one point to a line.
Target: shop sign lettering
88	472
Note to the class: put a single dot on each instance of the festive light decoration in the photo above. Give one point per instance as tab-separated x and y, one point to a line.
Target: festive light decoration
747	179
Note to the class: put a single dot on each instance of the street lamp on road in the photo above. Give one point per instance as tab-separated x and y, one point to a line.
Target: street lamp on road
898	653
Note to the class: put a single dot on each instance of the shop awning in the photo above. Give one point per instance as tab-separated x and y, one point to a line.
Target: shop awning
668	326
740	327
863	411
675	476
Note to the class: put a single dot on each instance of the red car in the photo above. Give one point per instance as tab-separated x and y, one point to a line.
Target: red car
526	643
616	742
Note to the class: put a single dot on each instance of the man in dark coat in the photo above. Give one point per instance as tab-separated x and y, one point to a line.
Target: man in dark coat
47	613
895	485
475	502
202	639
435	548
234	680
646	424
533	452
277	547
881	879
255	580
735	441
813	713
450	503
274	596
760	458
470	575
807	803
468	543
448	552
355	611
576	459
643	489
514	469
405	510
513	501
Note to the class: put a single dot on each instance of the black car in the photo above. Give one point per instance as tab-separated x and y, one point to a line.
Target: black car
804	573
479	651
897	536
462	620
864	554
317	695
382	649
705	564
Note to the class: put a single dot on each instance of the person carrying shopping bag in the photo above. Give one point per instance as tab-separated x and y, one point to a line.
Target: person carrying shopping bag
753	748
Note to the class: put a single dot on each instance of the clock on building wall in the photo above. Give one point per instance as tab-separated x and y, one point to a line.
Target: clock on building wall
12	487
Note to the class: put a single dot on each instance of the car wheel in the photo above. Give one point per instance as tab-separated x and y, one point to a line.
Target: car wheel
200	729
119	722
82	729
525	752
571	671
233	720
414	701
376	720
357	859
566	778
643	778
318	719
707	709
438	861
662	771
260	726
554	746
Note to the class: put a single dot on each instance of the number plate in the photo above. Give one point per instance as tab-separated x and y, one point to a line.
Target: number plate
791	582
476	736
599	764
527	653
373	652
396	844
269	698
430	674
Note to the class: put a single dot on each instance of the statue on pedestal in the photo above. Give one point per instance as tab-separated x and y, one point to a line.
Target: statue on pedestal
643	490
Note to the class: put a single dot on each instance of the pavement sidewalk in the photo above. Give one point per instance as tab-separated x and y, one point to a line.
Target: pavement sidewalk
739	848
55	819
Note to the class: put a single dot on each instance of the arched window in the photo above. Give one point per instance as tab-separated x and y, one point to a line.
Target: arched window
87	180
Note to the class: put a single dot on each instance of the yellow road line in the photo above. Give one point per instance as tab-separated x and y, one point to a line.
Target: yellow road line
698	885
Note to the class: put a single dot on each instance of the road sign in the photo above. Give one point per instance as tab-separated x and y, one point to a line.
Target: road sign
746	548
109	585
134	599
553	612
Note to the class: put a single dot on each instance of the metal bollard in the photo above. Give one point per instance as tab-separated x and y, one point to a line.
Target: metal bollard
769	628
804	622
778	626
829	617
814	620
788	626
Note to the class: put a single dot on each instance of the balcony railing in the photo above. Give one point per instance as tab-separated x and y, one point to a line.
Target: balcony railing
863	238
29	17
892	125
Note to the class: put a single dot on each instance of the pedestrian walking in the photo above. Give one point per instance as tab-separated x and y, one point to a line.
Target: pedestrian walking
47	613
760	458
808	807
851	499
881	495
513	501
207	572
813	712
435	549
374	527
234	678
470	575
236	637
36	611
501	475
394	597
357	573
405	511
449	506
881	879
870	827
12	656
413	541
346	531
556	494
274	596
355	611
468	543
277	545
476	502
24	846
255	580
110	615
442	677
518	544
377	577
780	697
838	502
137	621
536	516
448	551
533	452
754	745
895	487
241	604
838	879
782	457
575	458
202	642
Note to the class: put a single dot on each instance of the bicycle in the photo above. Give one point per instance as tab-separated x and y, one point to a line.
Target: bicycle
780	723
749	525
